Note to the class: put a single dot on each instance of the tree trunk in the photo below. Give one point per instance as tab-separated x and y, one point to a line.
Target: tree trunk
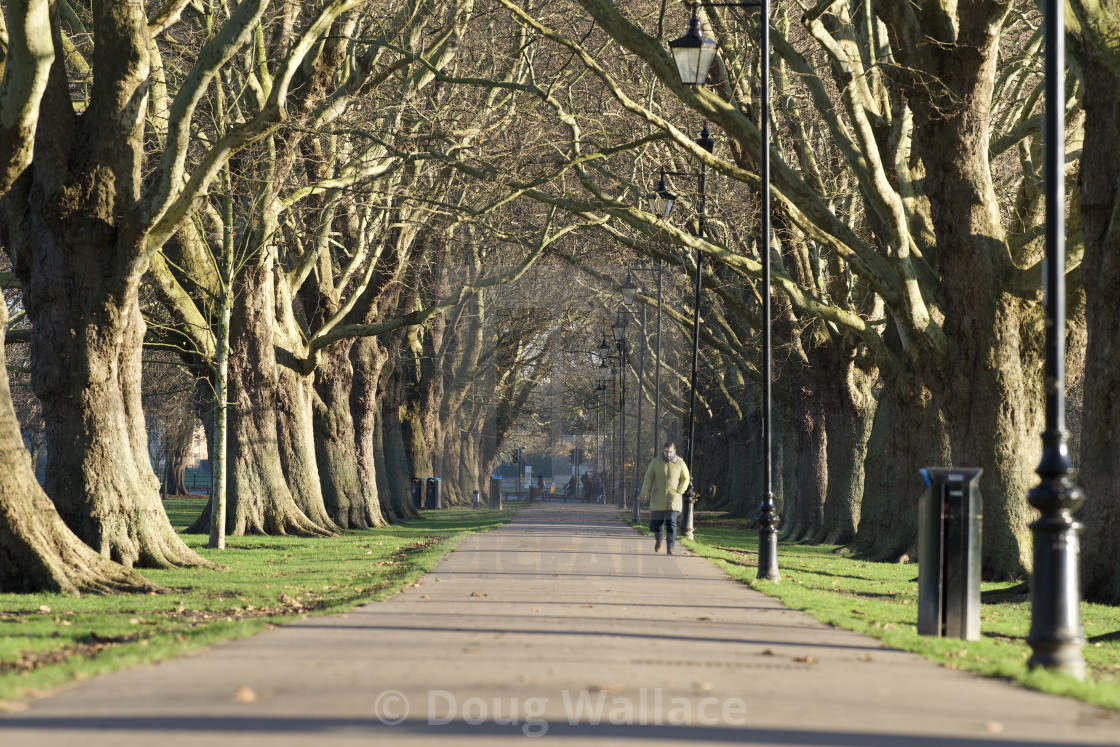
811	468
1100	221
397	468
368	359
179	446
849	413
907	433
295	419
38	552
380	462
985	381
98	472
336	442
80	258
259	499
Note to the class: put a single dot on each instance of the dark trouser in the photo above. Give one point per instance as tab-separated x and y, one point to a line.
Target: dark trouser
668	519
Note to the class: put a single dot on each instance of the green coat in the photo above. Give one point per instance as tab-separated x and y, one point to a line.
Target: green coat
665	484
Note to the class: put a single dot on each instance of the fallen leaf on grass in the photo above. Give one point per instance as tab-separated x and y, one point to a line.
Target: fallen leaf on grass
244	694
44	610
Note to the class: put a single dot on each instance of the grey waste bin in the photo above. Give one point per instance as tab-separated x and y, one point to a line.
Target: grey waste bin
496	493
950	526
435	493
417	492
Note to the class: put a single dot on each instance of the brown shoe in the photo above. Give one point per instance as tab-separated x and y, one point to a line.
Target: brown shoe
668	551
657	546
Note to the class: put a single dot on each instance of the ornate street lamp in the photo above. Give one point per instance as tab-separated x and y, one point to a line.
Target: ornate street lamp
693	53
629	289
1055	637
706	142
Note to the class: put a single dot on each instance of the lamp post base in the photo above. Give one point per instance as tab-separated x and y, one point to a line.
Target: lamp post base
768	539
687	529
1055	637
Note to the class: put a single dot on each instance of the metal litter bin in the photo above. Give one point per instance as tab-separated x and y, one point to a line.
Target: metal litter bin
435	493
496	493
950	525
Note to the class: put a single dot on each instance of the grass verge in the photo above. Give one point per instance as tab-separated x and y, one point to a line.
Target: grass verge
880	600
47	640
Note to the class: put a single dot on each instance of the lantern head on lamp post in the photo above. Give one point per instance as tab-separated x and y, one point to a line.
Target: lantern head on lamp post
693	53
604	375
629	288
661	200
619	326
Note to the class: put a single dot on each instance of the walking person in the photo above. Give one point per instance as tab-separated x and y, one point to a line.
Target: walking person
665	484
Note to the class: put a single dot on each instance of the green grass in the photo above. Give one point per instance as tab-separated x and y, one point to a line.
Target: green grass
47	640
880	600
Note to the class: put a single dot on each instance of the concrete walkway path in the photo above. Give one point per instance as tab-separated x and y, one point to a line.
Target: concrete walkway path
562	625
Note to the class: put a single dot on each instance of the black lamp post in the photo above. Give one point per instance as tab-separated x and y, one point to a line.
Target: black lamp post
1055	637
618	329
706	142
693	54
629	290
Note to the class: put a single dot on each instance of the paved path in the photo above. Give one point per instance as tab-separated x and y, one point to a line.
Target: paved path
567	623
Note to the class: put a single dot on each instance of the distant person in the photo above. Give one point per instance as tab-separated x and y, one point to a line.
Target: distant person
599	490
665	484
586	482
540	484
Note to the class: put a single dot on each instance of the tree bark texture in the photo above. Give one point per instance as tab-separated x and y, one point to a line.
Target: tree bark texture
38	552
987	385
1095	49
260	501
849	408
295	419
336	443
368	360
79	257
